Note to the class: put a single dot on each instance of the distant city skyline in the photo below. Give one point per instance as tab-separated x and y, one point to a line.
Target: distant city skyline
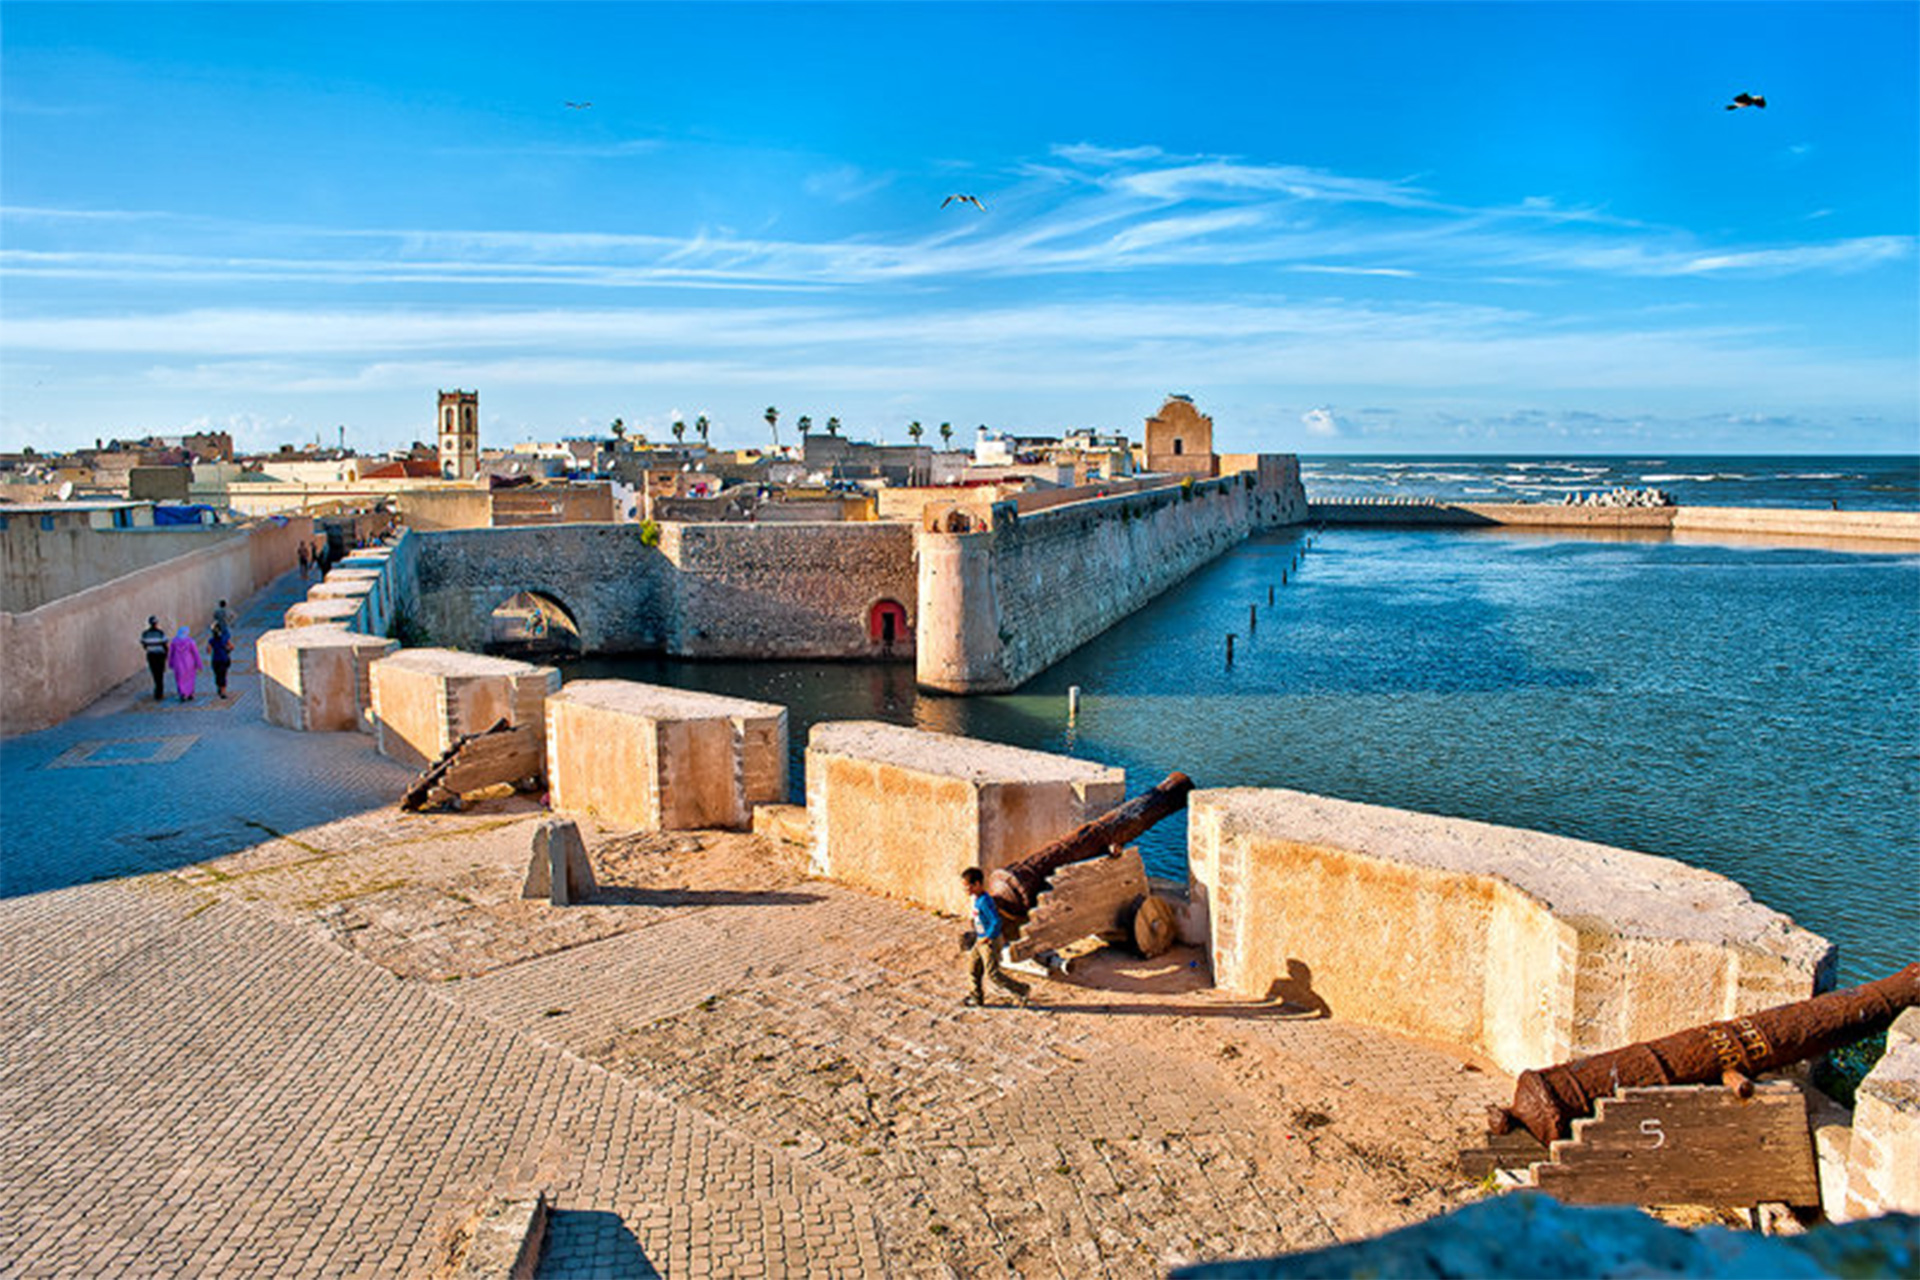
1519	228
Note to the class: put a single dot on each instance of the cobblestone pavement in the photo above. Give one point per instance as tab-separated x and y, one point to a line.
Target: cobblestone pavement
166	784
258	1022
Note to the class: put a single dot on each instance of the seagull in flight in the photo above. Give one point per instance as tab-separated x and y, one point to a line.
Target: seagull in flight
1747	100
972	200
582	106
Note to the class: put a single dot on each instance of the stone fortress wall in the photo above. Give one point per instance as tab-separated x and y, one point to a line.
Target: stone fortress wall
68	652
1000	604
705	590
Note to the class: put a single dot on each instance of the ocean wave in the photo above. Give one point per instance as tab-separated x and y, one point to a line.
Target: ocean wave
1664	478
1817	475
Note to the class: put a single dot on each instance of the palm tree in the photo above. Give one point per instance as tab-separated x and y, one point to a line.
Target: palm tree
679	431
619	430
805	424
946	433
915	430
772	415
833	426
701	425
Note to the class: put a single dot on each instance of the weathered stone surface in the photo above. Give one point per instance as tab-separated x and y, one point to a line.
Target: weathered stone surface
506	1241
1527	1234
425	699
661	758
314	613
998	606
559	870
1883	1153
1528	947
904	811
317	678
708	590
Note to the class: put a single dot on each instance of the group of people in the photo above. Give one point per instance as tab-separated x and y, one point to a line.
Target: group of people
319	556
182	655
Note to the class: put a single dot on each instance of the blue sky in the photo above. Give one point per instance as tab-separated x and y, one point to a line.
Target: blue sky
1362	227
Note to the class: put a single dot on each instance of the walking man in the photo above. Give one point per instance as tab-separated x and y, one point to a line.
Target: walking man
223	618
986	942
220	650
154	641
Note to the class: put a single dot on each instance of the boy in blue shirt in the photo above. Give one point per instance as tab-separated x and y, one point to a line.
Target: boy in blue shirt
986	942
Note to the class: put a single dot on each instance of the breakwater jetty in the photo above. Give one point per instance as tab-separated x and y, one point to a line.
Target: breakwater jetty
1788	522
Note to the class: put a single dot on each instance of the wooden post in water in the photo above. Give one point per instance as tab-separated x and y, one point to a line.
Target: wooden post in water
1073	703
1253	618
1229	648
1283	577
1269	593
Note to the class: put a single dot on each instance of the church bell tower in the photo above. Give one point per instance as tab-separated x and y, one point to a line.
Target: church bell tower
459	434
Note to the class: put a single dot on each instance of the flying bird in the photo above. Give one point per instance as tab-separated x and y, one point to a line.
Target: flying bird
1747	100
582	106
972	200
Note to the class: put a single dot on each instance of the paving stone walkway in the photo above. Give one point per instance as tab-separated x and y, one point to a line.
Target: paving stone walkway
255	1022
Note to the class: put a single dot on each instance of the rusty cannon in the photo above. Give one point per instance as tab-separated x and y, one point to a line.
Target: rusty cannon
1016	888
1548	1101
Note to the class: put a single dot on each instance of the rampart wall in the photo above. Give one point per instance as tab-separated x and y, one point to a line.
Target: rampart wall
734	590
38	566
1001	604
64	654
784	590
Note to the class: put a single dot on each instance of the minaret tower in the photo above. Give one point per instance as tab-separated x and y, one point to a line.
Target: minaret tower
459	434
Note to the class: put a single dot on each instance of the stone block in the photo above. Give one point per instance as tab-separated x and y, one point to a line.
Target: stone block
341	589
1883	1154
1527	947
318	678
317	613
903	811
559	870
663	759
425	700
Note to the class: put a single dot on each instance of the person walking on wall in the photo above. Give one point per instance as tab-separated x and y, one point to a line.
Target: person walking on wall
220	653
154	641
183	655
985	938
306	560
223	618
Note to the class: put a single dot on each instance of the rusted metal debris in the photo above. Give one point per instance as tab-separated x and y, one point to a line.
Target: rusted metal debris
1017	887
1548	1101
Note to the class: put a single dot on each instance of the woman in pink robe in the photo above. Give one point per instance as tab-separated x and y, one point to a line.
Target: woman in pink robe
183	655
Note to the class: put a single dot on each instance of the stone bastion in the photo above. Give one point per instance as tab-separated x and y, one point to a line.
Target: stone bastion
1527	947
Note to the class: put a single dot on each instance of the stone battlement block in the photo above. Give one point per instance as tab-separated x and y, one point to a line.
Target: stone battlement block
333	588
317	678
1530	948
664	759
320	613
424	700
904	811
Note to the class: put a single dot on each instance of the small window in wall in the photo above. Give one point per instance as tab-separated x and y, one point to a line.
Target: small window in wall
3	522
1179	445
449	419
122	518
46	522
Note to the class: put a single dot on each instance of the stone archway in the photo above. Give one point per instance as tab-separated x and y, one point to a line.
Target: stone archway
533	624
887	624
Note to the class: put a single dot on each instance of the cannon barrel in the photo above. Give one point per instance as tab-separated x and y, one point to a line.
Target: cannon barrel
1547	1102
1016	887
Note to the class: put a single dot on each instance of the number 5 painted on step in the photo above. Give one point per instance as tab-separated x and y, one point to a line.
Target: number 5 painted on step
1653	1130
